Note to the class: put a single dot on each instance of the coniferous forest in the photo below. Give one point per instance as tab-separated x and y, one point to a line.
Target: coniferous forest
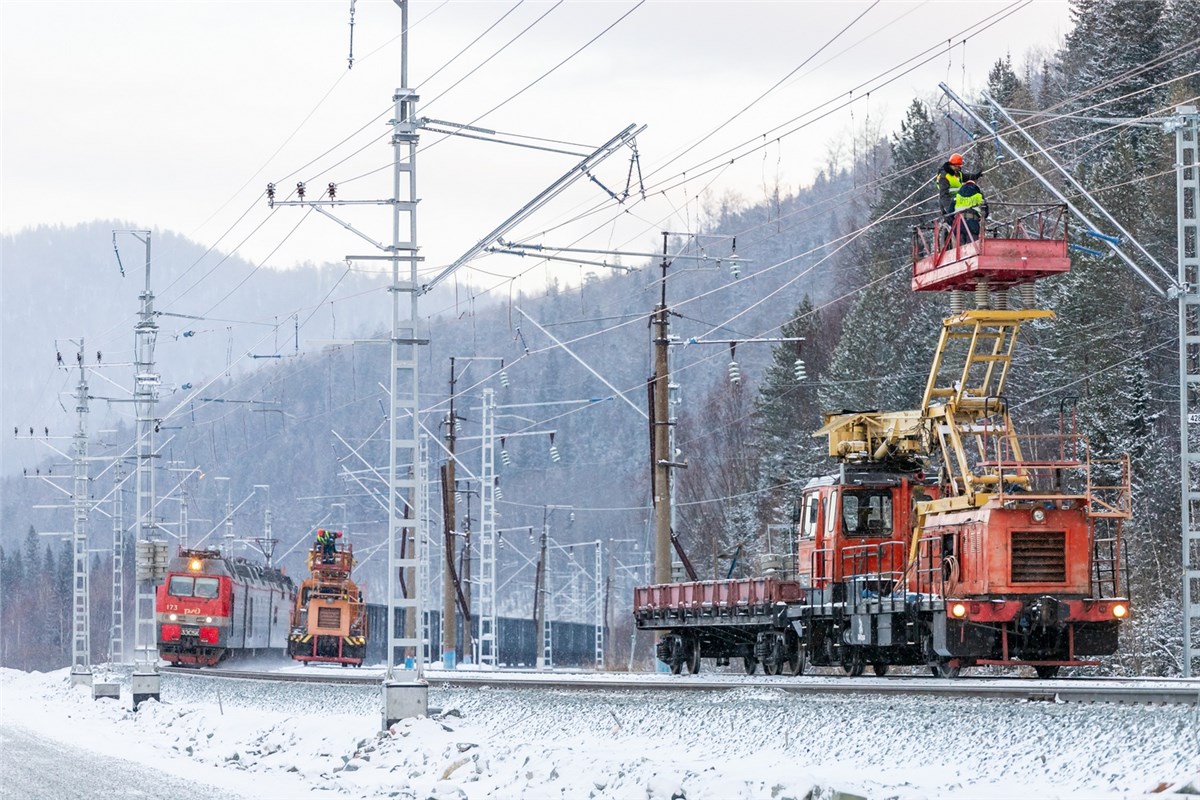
828	262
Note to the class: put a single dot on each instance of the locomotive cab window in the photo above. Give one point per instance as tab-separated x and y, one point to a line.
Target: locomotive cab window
206	588
811	516
867	513
180	586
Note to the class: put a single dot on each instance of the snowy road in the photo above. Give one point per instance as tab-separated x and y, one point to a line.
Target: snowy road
34	768
291	741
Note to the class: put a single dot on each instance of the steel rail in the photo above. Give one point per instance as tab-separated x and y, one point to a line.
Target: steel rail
1065	690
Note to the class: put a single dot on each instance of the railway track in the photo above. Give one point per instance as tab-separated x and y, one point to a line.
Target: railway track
1066	690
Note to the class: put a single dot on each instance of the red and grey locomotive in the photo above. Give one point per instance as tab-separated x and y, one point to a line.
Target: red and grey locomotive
211	608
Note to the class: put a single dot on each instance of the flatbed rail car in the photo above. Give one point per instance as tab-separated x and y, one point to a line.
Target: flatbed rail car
716	619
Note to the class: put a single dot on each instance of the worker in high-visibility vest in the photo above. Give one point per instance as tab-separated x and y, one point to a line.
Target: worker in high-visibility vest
950	179
970	208
327	541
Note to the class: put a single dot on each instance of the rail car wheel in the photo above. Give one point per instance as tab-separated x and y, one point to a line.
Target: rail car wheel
942	669
856	664
676	666
1046	671
939	666
773	667
879	668
797	658
750	664
693	656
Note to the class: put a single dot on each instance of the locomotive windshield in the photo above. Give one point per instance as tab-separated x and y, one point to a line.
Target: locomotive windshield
867	513
187	586
181	586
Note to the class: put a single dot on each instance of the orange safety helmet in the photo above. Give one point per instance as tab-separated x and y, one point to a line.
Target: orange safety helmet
956	160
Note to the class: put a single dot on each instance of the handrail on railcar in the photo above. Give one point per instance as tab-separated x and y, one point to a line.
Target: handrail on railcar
946	240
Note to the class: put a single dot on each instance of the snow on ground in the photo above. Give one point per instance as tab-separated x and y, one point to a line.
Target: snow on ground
271	741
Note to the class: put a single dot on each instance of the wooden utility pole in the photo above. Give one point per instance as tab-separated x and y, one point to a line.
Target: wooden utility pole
660	433
450	578
539	599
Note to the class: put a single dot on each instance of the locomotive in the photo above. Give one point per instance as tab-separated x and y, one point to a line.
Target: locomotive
211	608
944	539
329	621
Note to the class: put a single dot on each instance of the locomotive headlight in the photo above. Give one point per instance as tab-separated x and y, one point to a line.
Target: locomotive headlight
194	565
1119	610
173	617
958	610
1039	515
208	619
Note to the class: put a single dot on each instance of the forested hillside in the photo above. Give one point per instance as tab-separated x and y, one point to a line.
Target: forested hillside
829	262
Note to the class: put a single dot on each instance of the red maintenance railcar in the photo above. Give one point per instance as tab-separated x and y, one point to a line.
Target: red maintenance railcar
891	568
1011	555
211	608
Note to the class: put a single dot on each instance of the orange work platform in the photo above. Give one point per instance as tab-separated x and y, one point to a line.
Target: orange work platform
1032	245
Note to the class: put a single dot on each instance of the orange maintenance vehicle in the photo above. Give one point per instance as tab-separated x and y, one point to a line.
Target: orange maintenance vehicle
329	619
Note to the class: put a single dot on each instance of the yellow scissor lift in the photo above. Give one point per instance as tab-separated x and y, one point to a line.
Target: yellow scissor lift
964	404
965	421
983	456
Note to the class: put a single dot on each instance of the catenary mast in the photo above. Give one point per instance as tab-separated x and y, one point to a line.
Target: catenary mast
81	670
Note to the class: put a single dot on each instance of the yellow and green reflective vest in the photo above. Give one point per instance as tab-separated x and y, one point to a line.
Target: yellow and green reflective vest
964	201
953	180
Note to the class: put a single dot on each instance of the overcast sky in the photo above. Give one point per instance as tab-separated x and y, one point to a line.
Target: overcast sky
176	114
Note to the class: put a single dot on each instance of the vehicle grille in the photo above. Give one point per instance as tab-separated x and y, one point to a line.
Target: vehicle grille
1039	557
329	617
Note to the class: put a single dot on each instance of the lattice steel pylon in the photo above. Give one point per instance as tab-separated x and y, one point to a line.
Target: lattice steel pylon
598	601
487	534
145	395
116	644
1187	164
423	577
81	648
405	537
183	520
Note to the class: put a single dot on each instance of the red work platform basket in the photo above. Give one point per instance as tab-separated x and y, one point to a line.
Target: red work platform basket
1032	245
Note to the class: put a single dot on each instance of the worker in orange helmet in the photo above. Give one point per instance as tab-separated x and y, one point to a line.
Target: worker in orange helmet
328	542
950	179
